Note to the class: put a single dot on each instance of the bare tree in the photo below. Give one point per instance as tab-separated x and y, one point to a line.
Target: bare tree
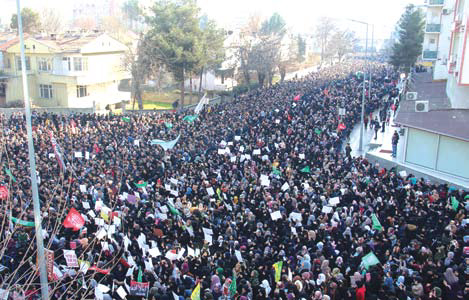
51	20
323	34
341	43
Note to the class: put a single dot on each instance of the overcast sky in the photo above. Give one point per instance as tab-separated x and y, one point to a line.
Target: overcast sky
300	15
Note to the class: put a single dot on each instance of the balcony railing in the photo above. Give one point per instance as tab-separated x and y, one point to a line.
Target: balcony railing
433	28
436	2
427	54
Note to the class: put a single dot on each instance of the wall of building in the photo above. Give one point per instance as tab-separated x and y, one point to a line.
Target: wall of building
458	94
437	152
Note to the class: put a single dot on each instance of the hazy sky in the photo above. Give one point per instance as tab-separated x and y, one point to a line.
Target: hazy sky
300	15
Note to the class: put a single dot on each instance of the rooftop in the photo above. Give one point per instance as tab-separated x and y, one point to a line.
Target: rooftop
440	118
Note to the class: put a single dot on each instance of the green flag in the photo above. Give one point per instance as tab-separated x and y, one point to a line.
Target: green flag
190	119
276	171
278	270
139	277
22	223
126	119
370	260
10	174
454	203
466	197
376	223
174	210
233	285
306	169
168	125
317	131
141	185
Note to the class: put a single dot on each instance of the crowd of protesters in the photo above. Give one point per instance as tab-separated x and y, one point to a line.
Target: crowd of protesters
260	181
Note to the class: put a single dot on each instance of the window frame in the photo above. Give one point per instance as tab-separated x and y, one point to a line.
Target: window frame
18	63
82	91
41	61
46	89
82	62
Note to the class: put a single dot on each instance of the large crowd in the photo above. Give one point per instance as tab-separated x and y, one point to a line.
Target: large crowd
256	200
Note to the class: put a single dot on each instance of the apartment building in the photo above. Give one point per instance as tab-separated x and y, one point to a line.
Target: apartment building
74	71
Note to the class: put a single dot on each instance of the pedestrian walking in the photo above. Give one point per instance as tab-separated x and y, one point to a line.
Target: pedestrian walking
377	127
395	140
366	122
348	150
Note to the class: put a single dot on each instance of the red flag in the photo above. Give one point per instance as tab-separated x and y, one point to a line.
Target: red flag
341	126
102	271
3	192
297	97
74	220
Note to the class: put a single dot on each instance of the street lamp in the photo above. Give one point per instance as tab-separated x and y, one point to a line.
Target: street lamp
32	166
362	116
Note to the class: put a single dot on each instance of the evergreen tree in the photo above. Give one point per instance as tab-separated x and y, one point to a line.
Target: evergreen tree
409	47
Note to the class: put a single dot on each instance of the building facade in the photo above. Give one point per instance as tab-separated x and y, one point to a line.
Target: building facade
80	71
436	44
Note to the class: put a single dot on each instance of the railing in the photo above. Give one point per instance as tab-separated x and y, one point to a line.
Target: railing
427	54
436	2
433	28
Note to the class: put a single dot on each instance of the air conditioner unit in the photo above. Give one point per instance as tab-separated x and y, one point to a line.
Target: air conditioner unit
411	96
421	106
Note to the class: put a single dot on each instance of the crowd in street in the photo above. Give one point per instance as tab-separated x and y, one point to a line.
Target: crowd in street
257	199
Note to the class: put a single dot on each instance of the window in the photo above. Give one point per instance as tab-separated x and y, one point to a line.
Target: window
45	91
6	62
67	63
81	91
18	63
432	41
80	64
44	64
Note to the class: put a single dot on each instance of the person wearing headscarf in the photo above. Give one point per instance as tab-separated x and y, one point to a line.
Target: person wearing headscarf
452	288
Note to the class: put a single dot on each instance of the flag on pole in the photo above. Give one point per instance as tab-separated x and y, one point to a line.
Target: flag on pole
233	285
317	131
306	169
22	223
276	171
196	293
74	220
201	104
164	144
57	151
168	125
454	203
369	260
278	270
190	119
139	276
126	119
10	174
376	223
173	210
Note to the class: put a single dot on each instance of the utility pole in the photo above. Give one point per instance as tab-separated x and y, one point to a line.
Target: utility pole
32	166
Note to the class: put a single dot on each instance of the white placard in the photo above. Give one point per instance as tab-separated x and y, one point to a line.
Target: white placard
237	137
302	156
51	155
265	157
403	173
233	159
137	143
277	121
294	216
276	215
256	152
83	188
87	155
238	255
221	151
327	209
285	186
78	154
334	201
121	292
241	149
210	191
190	251
86	205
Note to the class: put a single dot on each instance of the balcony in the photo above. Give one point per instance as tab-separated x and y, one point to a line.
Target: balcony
433	28
429	55
436	2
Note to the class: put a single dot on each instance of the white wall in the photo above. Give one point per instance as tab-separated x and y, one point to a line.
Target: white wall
438	152
458	94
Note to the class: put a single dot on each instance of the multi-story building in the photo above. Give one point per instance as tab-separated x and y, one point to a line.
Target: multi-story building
457	87
436	44
76	71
